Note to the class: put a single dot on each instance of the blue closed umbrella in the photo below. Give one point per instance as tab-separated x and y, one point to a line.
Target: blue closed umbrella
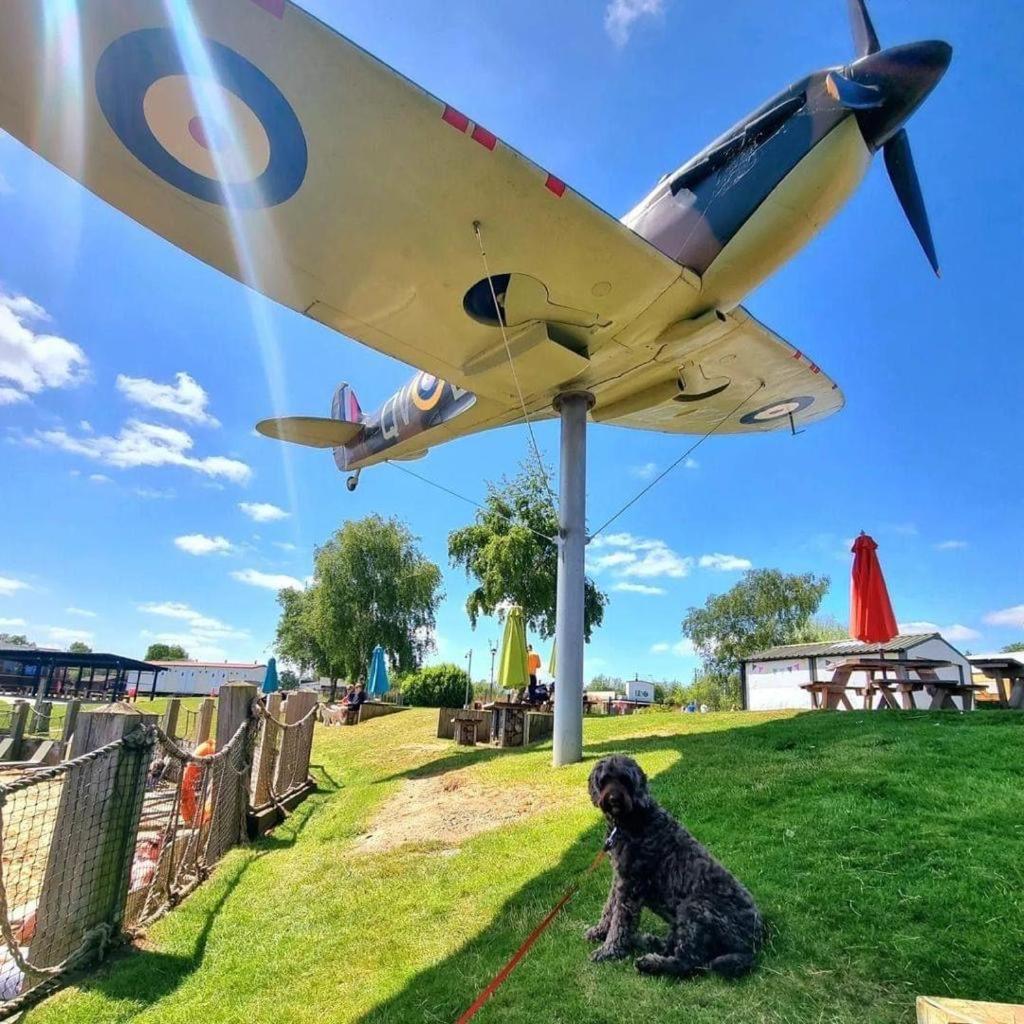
377	683
270	680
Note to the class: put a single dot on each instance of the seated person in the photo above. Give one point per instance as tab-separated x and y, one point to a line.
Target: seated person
359	697
542	694
531	691
350	692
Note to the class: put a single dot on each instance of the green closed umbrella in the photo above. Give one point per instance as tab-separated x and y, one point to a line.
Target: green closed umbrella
512	672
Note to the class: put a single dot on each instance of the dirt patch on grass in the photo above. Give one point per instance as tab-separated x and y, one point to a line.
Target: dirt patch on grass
449	809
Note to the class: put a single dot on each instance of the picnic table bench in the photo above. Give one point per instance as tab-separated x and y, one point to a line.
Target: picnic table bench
893	684
1009	676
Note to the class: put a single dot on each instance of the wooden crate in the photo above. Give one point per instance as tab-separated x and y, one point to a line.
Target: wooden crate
931	1010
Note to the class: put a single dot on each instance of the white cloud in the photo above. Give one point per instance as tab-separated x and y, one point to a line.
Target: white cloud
285	545
147	444
621	15
12	622
645	472
186	398
154	493
100	478
200	544
691	464
639	588
62	635
642	557
683	648
262	511
198	623
199	646
951	545
6	188
955	632
29	361
10	586
84	612
1005	617
269	581
11	396
725	563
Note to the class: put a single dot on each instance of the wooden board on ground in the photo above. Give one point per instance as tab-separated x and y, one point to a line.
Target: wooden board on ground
931	1010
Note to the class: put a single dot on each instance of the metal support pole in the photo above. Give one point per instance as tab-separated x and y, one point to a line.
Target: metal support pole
573	407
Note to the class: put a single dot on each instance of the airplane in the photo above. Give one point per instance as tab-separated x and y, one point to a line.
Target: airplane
267	145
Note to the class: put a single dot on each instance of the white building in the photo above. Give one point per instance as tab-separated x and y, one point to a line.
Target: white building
201	678
772	679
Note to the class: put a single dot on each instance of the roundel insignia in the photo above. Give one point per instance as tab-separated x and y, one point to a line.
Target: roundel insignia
427	391
224	134
778	410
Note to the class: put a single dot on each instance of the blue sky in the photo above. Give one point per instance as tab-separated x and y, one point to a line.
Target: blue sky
115	348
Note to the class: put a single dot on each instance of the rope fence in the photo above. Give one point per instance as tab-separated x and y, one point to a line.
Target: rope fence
94	849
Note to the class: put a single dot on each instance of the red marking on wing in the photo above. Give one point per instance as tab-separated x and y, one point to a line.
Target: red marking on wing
555	185
455	119
815	369
484	137
274	7
797	354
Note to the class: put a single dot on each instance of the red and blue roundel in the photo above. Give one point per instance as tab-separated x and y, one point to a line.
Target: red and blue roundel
219	130
778	410
426	391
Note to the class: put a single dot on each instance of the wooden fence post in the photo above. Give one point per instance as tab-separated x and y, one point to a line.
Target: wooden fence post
294	746
169	722
70	723
266	753
94	833
10	748
234	706
204	726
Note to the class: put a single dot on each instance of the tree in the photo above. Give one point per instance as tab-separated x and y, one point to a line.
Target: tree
373	586
508	554
436	686
297	639
166	652
821	629
1017	645
78	647
604	682
766	608
288	680
14	640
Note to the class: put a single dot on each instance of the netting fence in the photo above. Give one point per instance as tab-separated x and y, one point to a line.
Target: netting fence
96	848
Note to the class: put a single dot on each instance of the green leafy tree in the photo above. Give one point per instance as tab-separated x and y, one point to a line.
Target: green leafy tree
288	680
1017	645
508	554
373	586
14	640
604	682
78	647
298	640
166	652
766	608
436	686
821	629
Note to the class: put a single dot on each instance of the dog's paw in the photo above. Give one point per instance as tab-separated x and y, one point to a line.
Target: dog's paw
648	943
606	952
596	934
651	963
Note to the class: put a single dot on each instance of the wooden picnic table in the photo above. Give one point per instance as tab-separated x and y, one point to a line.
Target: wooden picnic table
1009	676
893	683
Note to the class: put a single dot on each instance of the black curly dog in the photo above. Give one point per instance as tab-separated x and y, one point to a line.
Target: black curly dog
714	924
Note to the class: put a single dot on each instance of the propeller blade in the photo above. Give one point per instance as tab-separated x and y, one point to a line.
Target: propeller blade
851	94
864	36
312	431
899	162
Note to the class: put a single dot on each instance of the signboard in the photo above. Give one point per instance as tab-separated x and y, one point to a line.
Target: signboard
641	692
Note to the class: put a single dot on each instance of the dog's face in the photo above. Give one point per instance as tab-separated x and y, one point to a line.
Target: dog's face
618	787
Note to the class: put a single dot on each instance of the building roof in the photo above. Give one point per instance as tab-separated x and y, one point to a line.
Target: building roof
211	664
68	659
840	648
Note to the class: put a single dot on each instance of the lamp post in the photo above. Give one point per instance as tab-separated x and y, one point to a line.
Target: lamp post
494	651
469	676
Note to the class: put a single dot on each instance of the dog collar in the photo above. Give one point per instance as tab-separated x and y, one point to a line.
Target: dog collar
610	841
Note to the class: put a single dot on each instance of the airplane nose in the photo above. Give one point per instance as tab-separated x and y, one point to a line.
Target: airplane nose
904	75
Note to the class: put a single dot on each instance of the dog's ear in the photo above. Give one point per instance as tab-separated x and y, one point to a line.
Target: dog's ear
639	782
594	782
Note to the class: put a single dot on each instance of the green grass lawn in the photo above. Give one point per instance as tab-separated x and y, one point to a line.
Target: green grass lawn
885	851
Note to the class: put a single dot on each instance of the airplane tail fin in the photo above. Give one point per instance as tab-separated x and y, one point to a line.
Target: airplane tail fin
344	406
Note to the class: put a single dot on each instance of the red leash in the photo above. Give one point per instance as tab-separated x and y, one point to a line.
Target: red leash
496	982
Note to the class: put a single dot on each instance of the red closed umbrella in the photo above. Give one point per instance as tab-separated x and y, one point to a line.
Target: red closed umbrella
871	617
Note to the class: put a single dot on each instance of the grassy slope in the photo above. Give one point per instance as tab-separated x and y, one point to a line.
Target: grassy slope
884	849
